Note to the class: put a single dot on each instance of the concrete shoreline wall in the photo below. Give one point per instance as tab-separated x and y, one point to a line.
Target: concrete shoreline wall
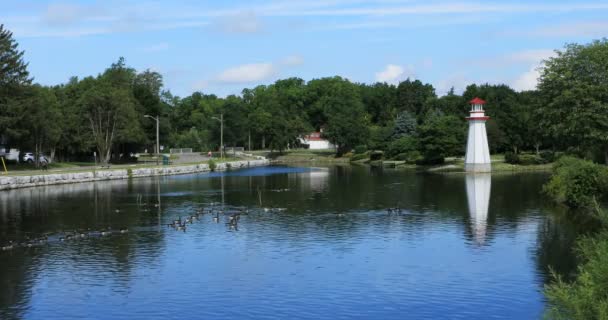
16	182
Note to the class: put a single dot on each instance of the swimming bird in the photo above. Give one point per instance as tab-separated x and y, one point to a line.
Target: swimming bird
8	246
107	232
125	230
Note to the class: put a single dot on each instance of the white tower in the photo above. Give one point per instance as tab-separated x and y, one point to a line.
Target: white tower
477	158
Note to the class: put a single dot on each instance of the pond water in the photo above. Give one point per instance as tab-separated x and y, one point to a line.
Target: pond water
317	243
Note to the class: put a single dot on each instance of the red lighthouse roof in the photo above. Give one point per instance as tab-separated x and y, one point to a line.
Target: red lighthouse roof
477	101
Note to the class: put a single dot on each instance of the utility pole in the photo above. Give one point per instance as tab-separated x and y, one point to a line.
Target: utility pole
157	136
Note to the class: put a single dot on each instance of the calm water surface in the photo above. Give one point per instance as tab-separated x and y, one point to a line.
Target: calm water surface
464	247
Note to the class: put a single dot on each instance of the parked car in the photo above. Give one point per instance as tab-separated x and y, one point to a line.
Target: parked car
9	154
29	158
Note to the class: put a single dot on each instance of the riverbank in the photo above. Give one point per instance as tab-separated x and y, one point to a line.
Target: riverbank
451	164
125	172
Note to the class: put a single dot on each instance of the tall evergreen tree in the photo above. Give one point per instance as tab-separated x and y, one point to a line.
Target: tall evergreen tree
13	78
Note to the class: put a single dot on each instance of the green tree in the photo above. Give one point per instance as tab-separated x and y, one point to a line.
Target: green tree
405	125
441	136
41	119
574	90
412	96
14	77
347	122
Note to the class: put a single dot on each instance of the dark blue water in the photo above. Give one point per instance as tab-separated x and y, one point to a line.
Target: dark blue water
316	244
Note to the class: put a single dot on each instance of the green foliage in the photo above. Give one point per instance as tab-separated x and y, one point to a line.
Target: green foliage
573	87
531	159
587	296
402	145
548	156
359	156
512	158
405	125
441	136
376	155
13	77
347	123
212	165
577	183
410	157
379	137
130	173
360	149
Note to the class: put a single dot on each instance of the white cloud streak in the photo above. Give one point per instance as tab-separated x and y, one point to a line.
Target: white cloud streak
391	74
247	73
65	19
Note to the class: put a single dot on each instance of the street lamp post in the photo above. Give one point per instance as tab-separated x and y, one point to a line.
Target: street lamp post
221	120
157	137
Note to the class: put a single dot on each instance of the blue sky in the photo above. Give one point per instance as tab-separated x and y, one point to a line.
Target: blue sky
221	47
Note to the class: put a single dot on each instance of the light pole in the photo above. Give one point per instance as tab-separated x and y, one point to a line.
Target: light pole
157	137
221	120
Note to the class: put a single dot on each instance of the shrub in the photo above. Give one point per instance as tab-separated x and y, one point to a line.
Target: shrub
376	155
360	149
347	155
409	157
511	158
431	161
531	159
402	145
547	155
357	157
212	165
577	183
587	296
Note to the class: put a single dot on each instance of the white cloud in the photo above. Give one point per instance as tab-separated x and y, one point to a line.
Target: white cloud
247	73
291	61
393	73
457	81
527	81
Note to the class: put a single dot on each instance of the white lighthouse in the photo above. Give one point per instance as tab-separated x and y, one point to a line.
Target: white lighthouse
477	158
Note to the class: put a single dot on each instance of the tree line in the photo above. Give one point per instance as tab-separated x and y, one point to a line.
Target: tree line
105	113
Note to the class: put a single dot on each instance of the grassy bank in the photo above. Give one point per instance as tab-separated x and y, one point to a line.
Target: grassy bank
304	156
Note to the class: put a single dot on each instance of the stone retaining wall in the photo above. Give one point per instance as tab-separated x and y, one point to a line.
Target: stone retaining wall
7	183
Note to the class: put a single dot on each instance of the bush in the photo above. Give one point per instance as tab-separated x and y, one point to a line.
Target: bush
511	158
577	183
357	157
360	149
531	159
587	296
376	155
547	155
409	157
212	165
347	155
401	145
431	161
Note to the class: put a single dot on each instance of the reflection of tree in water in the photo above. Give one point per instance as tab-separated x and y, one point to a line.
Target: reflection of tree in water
555	249
53	209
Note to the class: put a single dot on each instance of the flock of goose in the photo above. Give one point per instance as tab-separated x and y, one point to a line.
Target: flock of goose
233	218
233	215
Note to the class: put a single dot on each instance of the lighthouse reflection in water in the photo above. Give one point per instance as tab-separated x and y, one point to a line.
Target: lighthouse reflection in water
478	195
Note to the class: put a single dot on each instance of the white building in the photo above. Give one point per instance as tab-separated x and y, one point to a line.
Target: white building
314	141
477	158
